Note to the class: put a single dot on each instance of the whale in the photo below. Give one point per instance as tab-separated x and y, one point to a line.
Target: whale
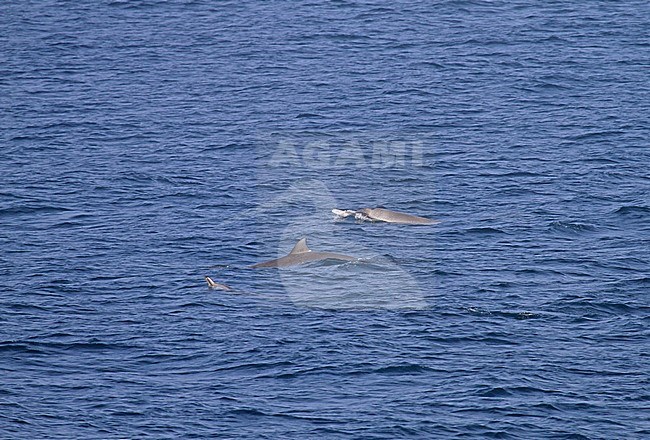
384	215
301	254
214	285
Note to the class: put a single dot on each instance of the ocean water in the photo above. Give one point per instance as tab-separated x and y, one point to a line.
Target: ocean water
144	145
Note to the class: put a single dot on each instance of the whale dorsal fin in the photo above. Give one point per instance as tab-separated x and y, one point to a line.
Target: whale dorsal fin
300	247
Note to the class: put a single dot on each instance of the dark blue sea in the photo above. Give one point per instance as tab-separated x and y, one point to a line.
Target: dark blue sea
147	144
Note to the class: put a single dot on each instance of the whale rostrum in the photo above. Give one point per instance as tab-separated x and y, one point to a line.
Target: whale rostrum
384	215
302	254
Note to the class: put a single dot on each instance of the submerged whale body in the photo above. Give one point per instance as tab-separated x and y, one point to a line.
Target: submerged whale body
302	254
384	215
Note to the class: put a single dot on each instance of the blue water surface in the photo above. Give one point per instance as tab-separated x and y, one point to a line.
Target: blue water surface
144	145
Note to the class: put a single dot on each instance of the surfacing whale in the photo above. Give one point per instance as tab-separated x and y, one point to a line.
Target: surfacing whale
302	254
214	285
384	215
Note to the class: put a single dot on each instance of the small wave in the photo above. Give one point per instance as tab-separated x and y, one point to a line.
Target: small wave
495	392
248	412
20	348
42	347
478	311
495	339
633	211
596	134
569	227
522	174
430	64
643	281
551	86
553	38
484	231
512	174
586	306
601	160
26	307
23	138
517	315
402	369
127	413
511	315
86	346
25	210
257	366
192	305
67	225
547	406
125	4
18	421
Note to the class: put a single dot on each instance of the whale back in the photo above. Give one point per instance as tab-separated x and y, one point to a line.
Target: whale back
389	216
302	254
